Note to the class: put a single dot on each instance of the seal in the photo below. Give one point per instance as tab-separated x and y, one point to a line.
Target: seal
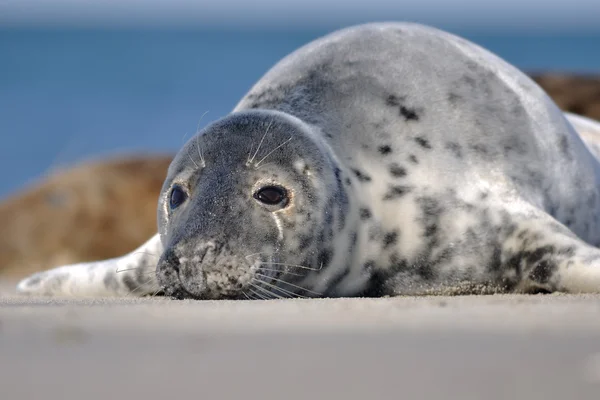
382	159
83	195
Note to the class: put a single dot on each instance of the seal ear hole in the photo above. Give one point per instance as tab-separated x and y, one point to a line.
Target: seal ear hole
272	195
177	197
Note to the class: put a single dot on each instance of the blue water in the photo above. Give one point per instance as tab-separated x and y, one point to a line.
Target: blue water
73	94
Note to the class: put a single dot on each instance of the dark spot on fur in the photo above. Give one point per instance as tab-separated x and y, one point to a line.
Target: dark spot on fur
393	101
430	206
110	282
348	181
328	216
37	279
455	148
430	230
426	272
397	171
409	114
365	213
130	283
398	264
396	191
324	258
413	159
454	98
591	201
353	239
543	271
564	146
303	242
389	239
538	253
538	265
377	286
495	265
361	176
423	142
480	148
384	150
470	81
568	251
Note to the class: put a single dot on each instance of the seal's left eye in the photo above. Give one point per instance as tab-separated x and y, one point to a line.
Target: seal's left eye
177	197
271	195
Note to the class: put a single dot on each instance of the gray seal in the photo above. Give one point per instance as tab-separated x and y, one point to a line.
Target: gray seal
382	159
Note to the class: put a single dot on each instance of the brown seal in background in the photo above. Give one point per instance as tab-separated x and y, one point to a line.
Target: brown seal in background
91	211
579	94
104	209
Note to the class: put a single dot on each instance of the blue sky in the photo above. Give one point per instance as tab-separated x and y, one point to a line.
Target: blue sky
518	15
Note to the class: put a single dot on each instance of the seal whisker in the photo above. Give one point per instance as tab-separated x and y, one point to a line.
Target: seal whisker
271	152
141	285
291	284
118	271
275	287
192	160
259	144
269	290
264	165
183	138
146	252
262	297
252	297
200	152
198	139
277	270
293	265
255	254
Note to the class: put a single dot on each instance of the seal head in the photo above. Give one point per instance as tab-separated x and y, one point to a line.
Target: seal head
250	208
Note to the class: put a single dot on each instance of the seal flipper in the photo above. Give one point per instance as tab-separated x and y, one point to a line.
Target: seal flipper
130	275
546	256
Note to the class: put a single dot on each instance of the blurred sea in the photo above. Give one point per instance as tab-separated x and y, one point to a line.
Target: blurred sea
68	95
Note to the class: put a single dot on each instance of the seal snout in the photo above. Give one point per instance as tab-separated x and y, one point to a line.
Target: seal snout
206	271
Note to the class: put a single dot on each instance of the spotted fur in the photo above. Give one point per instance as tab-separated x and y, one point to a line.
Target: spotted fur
414	162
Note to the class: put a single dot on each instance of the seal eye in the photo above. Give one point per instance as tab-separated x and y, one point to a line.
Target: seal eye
177	197
271	195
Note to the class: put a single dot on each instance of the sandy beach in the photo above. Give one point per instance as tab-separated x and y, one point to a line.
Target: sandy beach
475	347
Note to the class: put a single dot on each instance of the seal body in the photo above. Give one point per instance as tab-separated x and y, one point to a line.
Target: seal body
382	159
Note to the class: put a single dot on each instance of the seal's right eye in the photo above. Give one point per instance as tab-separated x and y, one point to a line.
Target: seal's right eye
177	197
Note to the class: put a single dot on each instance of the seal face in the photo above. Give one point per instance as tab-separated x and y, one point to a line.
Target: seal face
241	221
382	159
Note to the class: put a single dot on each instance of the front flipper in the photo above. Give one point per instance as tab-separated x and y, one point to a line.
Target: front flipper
133	274
545	256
